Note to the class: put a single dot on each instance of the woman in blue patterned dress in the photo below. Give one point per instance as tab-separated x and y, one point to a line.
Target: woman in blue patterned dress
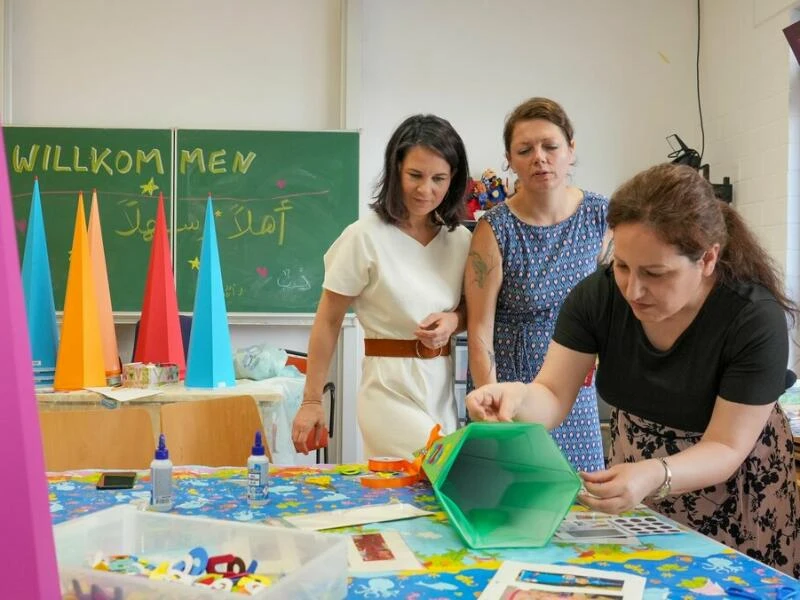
525	257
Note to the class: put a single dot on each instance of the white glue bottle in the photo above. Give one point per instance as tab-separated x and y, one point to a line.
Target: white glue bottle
257	474
161	478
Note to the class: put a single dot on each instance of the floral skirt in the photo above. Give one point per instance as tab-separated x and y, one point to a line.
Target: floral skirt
757	511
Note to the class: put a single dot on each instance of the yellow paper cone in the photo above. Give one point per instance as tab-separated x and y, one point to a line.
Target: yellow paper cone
108	334
80	353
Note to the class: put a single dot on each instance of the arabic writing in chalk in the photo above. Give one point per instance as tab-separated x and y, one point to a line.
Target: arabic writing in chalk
145	228
243	220
288	281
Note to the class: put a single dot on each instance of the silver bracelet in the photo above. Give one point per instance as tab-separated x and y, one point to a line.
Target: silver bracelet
665	488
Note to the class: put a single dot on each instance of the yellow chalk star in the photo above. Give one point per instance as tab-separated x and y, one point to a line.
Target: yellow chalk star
149	187
217	213
194	263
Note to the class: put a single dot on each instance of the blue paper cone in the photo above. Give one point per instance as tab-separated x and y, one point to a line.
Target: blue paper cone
210	361
38	287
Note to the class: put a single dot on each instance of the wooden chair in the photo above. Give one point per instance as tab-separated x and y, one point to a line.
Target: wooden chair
97	439
217	433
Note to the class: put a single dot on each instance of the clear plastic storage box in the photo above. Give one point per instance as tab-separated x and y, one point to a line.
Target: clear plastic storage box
315	564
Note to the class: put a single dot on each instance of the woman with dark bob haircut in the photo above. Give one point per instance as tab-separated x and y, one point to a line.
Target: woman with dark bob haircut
690	326
400	267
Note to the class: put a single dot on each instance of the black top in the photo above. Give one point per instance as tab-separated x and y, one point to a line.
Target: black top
737	347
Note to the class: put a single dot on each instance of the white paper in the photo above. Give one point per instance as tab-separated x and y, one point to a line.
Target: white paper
124	394
520	581
380	551
347	517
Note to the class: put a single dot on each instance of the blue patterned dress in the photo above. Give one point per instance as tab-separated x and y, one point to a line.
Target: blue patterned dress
541	264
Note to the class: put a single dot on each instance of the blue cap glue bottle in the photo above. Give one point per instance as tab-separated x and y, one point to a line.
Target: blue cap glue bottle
161	478
257	474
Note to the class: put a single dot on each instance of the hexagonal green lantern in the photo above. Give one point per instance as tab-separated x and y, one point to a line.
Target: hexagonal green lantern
503	485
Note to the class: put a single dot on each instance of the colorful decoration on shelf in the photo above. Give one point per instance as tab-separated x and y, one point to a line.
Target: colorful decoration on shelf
484	193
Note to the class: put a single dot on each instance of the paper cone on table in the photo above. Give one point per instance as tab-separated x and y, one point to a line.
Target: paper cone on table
25	519
108	333
159	339
37	285
80	355
210	362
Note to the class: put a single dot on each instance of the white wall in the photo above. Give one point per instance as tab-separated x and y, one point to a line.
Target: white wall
624	72
751	92
179	63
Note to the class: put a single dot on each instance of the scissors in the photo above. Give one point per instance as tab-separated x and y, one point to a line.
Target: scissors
782	592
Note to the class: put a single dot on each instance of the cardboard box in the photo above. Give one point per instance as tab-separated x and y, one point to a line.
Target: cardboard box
503	485
146	375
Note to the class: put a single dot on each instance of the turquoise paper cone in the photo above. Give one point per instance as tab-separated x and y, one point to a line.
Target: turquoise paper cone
38	287
210	361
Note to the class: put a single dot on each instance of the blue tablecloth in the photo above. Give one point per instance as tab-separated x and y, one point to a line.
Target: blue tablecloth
681	566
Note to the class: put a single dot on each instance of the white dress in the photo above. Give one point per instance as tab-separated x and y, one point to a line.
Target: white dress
397	283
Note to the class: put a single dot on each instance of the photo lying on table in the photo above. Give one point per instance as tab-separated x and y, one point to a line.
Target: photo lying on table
377	552
523	581
580	528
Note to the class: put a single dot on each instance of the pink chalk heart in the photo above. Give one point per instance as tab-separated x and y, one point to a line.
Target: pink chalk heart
262	271
281	183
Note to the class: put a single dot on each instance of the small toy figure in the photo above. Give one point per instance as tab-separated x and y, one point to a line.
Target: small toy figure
484	193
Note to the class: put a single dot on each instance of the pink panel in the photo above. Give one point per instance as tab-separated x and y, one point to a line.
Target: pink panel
27	548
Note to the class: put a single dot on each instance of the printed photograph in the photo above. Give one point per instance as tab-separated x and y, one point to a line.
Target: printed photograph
571	580
372	547
514	593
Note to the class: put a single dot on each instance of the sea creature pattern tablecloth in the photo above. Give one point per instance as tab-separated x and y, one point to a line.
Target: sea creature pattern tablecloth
680	566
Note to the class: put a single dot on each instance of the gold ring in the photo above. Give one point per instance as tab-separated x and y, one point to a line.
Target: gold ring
419	354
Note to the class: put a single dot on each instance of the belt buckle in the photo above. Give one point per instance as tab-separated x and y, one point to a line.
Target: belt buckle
417	347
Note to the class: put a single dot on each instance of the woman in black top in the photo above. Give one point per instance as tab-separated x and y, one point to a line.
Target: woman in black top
689	326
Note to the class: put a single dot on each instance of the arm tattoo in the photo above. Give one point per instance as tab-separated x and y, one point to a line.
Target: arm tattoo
490	353
480	268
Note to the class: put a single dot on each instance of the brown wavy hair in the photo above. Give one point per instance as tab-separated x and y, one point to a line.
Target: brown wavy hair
679	204
538	108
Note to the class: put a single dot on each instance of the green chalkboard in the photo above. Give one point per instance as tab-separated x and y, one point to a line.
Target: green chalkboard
280	199
128	167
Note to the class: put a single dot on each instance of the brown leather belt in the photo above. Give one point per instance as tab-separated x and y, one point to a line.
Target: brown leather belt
403	349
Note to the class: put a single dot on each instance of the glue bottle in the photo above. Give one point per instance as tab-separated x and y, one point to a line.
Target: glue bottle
257	474
161	478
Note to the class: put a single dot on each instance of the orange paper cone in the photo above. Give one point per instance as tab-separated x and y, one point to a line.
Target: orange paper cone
100	273
159	337
80	353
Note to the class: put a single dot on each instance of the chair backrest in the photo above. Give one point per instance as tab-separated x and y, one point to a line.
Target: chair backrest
97	439
218	432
